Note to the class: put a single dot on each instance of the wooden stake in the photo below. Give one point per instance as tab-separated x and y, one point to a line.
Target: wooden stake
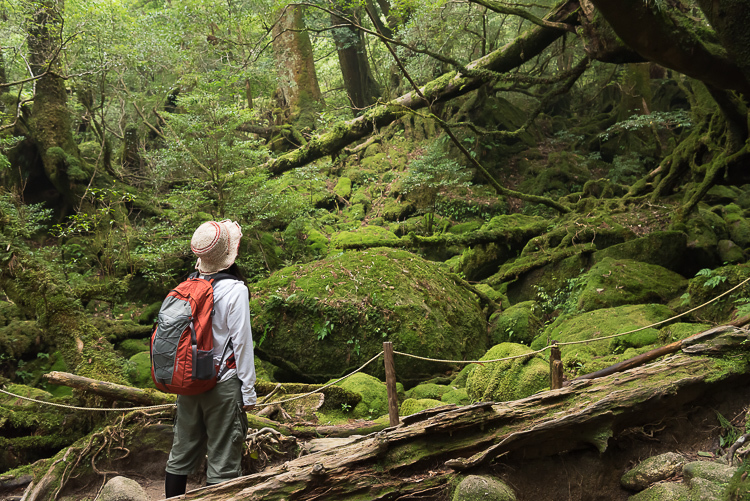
555	369
390	383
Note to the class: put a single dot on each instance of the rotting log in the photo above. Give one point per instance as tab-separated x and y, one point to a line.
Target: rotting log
584	414
110	390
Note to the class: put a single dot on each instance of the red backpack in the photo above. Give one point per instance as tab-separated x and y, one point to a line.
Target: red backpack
182	343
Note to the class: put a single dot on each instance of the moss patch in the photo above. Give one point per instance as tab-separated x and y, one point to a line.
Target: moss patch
414	405
510	379
374	395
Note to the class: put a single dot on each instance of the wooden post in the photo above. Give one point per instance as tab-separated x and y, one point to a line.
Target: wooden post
555	368
390	383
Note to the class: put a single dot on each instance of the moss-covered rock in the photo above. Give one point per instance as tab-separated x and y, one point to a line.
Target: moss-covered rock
704	231
680	330
708	285
362	236
483	487
332	315
518	324
130	347
456	396
302	239
730	252
662	248
374	401
343	187
590	356
737	225
613	282
428	390
413	405
652	470
139	370
510	379
393	210
19	337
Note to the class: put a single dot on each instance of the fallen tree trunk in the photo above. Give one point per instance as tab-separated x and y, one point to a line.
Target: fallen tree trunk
110	390
445	88
584	414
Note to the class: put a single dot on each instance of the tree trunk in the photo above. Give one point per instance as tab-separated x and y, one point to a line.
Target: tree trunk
360	85
298	82
49	124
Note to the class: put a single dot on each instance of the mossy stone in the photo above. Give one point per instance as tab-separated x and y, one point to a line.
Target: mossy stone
730	252
333	315
704	231
394	210
652	470
510	379
374	395
139	370
618	282
456	396
711	284
362	236
662	248
23	391
130	347
413	405
467	227
672	491
484	488
595	355
428	390
343	187
518	324
681	330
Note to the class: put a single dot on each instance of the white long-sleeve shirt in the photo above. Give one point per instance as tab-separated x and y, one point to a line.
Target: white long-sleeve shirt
231	321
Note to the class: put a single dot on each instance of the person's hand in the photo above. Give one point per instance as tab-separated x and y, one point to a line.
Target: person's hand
248	408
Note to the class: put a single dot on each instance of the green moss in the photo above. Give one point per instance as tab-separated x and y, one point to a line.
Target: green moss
394	210
507	380
595	355
335	314
709	285
662	248
518	324
414	405
130	347
374	395
428	390
139	370
457	396
367	235
343	187
613	282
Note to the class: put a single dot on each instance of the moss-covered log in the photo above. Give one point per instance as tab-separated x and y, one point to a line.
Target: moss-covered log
584	414
110	390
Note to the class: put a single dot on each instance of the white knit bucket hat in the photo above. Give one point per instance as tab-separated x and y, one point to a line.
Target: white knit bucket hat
216	244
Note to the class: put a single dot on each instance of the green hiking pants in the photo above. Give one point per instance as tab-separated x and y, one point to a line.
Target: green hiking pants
213	424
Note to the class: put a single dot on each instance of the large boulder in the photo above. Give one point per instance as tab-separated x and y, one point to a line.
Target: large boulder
483	487
616	282
518	324
589	355
332	315
662	248
509	379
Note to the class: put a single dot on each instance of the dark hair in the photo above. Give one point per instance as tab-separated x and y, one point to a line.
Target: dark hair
235	270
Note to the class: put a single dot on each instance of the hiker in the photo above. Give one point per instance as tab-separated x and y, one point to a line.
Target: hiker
214	423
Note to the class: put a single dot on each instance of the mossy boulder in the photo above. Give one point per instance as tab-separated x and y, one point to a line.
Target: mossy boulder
332	315
343	187
393	210
709	284
413	405
652	470
139	370
19	337
680	330
374	401
456	396
510	379
661	248
737	225
428	390
362	236
590	356
615	282
730	252
130	347
704	231
518	324
483	487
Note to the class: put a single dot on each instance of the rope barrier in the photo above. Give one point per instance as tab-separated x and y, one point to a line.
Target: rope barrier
318	390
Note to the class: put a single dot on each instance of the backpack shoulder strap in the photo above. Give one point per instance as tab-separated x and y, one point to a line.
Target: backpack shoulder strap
219	276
